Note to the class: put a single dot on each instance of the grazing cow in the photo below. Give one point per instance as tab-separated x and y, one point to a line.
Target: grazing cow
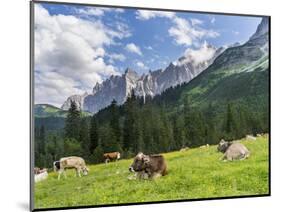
204	146
42	174
148	166
233	151
111	156
183	149
72	162
250	137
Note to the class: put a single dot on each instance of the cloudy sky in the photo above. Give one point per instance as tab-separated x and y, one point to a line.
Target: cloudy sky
78	46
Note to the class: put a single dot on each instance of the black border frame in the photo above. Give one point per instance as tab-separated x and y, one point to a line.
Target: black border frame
31	108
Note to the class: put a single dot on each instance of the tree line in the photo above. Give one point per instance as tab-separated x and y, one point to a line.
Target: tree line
150	128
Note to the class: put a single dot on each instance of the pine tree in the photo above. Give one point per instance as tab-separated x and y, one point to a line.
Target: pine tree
84	138
188	122
212	136
42	137
72	122
72	147
97	156
114	121
94	135
178	133
231	123
129	129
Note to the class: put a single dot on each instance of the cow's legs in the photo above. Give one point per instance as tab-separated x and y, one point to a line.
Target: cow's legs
64	174
78	170
60	172
59	175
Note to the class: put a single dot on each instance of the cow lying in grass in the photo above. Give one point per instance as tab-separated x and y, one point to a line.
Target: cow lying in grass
233	151
72	162
111	156
148	166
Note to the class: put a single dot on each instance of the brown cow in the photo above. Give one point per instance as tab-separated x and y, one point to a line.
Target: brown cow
148	166
111	156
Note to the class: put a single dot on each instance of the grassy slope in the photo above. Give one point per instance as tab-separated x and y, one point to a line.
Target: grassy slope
46	110
197	173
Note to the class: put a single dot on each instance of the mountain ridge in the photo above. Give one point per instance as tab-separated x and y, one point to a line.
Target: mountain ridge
150	84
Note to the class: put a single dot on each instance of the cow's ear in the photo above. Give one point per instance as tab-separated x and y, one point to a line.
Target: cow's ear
146	160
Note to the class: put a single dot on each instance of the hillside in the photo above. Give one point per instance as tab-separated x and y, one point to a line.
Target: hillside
196	173
240	75
47	110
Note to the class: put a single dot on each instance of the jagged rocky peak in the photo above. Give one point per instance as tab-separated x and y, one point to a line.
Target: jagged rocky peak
77	99
97	87
131	73
262	29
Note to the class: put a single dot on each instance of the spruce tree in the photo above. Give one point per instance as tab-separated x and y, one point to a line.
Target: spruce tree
42	137
84	138
129	129
231	123
72	122
114	120
94	135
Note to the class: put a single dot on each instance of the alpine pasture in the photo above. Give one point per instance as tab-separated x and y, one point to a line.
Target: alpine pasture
196	173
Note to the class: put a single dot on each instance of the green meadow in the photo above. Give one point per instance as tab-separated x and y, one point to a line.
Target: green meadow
195	173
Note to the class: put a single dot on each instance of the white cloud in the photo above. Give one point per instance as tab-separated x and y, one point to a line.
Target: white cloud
91	11
202	54
114	56
141	65
69	55
148	14
195	21
149	48
119	10
235	32
131	47
185	34
97	11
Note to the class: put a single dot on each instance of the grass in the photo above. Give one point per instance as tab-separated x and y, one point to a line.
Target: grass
196	173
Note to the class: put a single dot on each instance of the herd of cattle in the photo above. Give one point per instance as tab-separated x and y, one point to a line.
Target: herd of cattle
144	166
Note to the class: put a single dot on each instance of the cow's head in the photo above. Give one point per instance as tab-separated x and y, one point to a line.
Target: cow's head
56	166
140	162
85	171
118	155
223	146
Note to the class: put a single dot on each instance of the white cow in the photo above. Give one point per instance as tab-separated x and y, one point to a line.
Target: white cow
41	175
71	162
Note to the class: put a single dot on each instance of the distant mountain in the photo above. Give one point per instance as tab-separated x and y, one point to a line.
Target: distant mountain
150	84
240	74
78	99
47	110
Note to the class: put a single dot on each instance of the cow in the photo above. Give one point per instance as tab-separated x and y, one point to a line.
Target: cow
204	146
36	170
233	150
148	166
42	174
71	162
111	156
250	137
183	149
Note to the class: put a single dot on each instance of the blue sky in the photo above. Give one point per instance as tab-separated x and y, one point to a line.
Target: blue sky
77	46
